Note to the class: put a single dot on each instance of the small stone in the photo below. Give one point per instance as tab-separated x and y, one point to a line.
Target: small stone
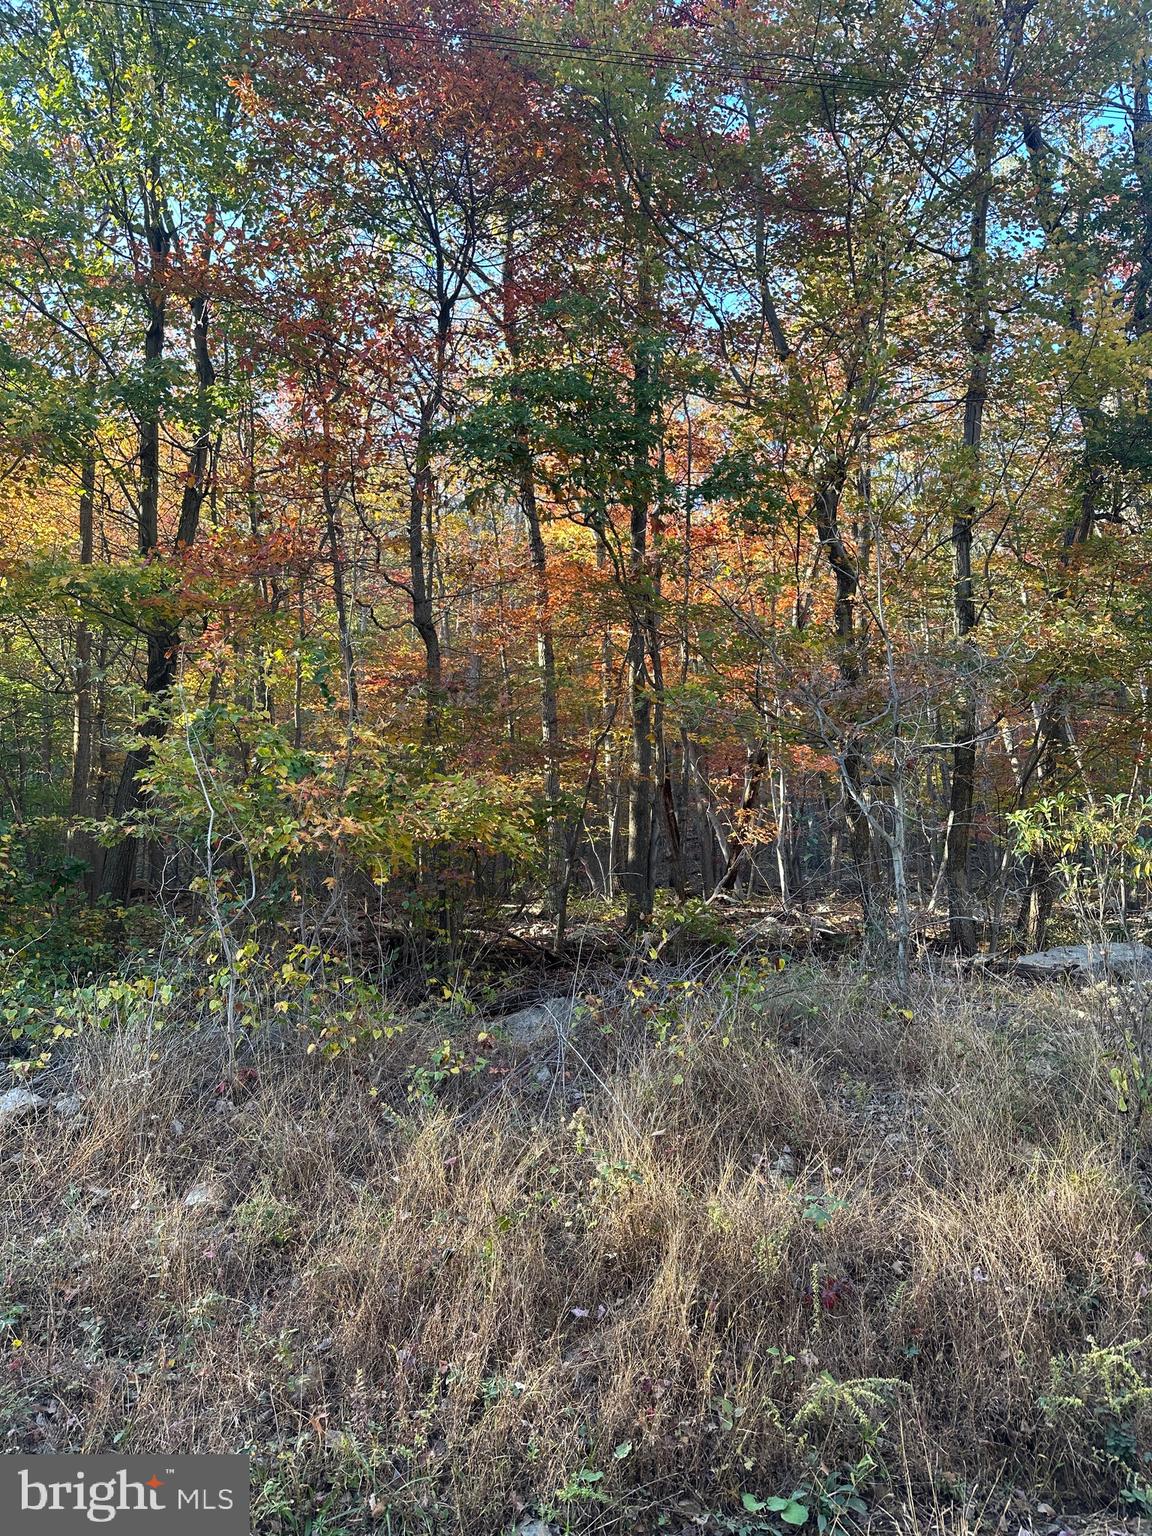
18	1102
68	1106
540	1022
534	1528
203	1196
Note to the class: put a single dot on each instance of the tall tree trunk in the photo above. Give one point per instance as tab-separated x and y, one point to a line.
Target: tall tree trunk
334	533
826	515
608	706
163	638
80	844
421	551
549	704
778	788
639	888
200	454
979	334
420	571
120	864
638	882
666	800
556	841
1142	164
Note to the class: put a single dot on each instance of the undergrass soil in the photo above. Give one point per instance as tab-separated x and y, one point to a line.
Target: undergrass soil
732	1236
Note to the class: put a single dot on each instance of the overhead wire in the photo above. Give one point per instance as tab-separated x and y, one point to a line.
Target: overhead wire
773	69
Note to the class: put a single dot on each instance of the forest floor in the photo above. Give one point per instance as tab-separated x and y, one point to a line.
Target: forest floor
734	1249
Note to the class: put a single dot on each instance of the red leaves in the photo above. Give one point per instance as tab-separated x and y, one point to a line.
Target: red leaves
835	1290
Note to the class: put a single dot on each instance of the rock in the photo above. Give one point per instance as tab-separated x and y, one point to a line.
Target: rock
204	1197
1086	960
68	1106
769	930
539	1022
18	1102
534	1528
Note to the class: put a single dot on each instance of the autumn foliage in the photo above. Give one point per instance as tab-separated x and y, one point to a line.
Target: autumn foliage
519	453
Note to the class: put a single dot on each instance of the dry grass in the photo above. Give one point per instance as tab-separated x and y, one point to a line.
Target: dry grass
762	1233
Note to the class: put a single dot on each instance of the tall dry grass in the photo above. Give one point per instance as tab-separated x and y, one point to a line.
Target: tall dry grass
756	1233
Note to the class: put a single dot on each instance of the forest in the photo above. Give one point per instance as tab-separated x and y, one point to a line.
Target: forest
575	807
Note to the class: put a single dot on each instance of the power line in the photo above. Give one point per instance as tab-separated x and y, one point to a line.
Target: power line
766	67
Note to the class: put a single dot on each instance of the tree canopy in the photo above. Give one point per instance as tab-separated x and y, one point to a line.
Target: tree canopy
470	452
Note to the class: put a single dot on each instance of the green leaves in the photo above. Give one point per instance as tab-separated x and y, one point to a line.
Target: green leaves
743	482
790	1510
577	425
128	596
